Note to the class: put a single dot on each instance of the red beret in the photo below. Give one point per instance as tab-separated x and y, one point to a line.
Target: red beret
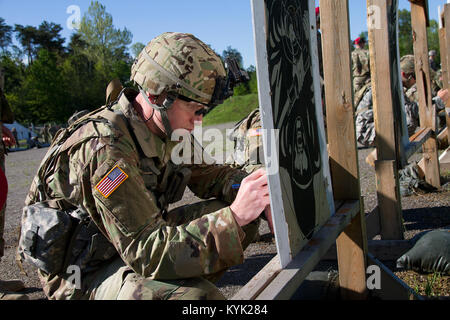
317	11
3	188
359	40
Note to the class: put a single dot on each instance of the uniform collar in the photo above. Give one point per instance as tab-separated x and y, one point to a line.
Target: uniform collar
152	145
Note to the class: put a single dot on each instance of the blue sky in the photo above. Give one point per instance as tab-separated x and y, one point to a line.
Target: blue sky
218	23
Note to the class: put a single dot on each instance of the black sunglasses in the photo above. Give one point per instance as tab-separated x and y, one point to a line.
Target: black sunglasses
203	111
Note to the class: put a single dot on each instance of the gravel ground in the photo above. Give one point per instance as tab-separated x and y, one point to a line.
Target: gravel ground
421	212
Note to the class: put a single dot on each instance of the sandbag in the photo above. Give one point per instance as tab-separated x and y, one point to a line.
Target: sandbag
430	254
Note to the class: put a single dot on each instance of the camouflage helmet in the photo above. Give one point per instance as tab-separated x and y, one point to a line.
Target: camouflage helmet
407	64
178	63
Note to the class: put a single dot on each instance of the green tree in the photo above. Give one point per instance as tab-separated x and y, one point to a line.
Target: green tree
5	35
136	48
14	71
106	44
27	37
44	90
79	75
48	38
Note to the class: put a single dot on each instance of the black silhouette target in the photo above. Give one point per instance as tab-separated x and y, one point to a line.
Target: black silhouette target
293	104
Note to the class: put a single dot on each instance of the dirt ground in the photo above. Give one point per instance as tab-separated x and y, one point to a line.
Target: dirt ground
420	212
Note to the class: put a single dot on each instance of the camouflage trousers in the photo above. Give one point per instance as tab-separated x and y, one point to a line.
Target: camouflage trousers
119	282
365	126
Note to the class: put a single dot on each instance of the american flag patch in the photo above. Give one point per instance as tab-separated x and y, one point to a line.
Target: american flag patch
111	181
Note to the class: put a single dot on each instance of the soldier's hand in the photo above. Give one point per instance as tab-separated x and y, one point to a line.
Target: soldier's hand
444	95
252	198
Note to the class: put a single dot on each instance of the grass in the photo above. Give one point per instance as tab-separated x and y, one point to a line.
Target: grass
232	110
431	286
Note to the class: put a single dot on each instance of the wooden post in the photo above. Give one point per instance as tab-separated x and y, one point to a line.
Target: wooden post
427	111
380	67
352	243
444	42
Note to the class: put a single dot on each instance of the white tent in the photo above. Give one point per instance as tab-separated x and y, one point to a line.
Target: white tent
22	132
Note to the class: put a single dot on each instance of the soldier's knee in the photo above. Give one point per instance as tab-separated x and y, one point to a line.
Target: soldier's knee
136	287
197	289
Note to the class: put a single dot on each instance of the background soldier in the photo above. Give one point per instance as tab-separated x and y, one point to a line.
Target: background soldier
16	138
9	288
365	126
360	66
432	58
122	180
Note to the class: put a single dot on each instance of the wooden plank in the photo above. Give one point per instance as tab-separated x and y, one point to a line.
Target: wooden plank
352	243
427	111
444	160
389	200
443	139
444	35
287	281
417	140
351	247
339	103
260	281
389	250
386	250
392	288
373	223
382	89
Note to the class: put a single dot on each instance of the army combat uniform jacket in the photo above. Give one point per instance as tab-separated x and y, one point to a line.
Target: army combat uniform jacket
360	68
123	182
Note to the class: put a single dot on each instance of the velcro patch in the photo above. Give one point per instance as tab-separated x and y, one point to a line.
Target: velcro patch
111	181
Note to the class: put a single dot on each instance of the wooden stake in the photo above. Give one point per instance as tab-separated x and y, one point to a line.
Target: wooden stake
426	109
352	243
444	42
385	123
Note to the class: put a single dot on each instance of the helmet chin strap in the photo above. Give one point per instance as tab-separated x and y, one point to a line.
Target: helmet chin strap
167	104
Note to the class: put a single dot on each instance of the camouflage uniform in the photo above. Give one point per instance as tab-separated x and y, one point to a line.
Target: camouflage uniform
360	69
246	135
5	116
365	126
153	248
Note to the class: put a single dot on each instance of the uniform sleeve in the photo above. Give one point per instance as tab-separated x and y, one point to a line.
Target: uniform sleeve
134	224
221	182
